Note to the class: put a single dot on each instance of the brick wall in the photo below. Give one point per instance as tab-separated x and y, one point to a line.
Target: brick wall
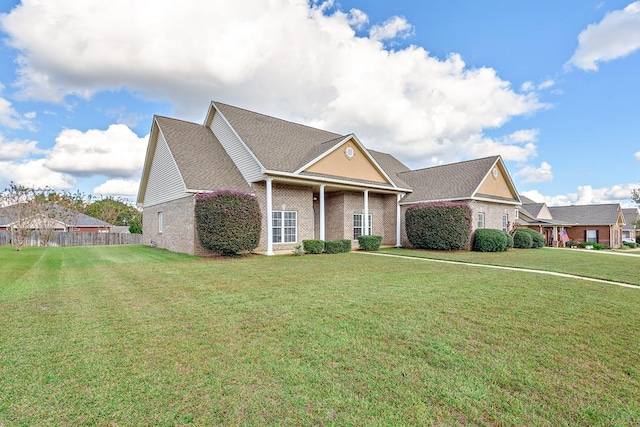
178	231
606	235
286	198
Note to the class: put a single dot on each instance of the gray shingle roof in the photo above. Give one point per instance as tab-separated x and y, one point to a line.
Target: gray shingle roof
447	182
391	166
533	208
202	161
606	214
278	144
77	219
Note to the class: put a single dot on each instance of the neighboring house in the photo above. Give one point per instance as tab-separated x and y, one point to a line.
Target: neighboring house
310	183
70	222
582	223
631	230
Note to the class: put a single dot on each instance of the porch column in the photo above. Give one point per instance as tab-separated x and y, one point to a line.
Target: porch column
322	212
398	217
269	219
365	216
555	237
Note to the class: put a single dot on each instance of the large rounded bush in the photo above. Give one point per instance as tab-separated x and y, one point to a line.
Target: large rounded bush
490	240
439	225
228	222
522	239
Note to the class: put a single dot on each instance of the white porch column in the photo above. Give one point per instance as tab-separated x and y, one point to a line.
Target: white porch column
321	211
269	219
365	216
398	222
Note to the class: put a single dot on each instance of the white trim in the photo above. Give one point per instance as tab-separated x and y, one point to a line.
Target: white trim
283	226
465	199
269	217
365	216
398	222
302	179
321	212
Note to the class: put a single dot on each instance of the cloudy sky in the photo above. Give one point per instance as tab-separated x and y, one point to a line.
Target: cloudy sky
552	86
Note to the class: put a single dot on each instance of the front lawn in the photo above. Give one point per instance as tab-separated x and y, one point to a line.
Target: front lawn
580	262
130	335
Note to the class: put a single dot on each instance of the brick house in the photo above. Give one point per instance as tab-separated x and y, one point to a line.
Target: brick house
310	183
582	223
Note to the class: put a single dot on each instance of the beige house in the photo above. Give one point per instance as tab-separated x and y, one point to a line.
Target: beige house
310	183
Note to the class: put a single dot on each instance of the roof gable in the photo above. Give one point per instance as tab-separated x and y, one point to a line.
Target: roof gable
472	179
350	160
278	144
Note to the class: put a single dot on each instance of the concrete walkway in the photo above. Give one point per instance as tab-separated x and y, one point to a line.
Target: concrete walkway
498	267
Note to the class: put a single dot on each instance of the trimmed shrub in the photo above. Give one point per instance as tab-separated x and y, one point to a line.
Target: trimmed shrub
369	242
333	246
313	246
439	225
346	245
490	240
538	238
522	239
228	222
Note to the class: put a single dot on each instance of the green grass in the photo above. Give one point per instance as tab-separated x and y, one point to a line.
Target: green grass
137	336
599	265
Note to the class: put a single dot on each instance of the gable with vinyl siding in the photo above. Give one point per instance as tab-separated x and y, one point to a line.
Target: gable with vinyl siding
165	182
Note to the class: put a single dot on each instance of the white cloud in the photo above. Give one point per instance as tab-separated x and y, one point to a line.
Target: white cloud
532	174
357	19
118	187
34	173
13	150
115	152
396	26
534	195
283	57
637	156
587	195
546	84
616	36
524	135
527	86
10	118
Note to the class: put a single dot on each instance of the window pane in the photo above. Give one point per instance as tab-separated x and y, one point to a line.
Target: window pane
592	236
480	219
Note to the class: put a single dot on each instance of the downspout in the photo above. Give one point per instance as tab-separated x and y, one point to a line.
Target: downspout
269	217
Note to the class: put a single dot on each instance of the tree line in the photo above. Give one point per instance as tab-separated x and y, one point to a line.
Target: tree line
27	208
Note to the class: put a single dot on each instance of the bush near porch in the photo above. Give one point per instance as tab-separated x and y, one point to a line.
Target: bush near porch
439	225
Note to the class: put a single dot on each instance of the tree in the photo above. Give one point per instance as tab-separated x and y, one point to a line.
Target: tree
28	209
635	196
117	212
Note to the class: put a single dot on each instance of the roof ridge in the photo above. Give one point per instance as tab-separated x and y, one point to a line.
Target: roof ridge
452	164
275	118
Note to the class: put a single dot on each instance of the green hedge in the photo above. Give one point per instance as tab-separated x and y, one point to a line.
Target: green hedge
509	240
369	242
313	246
490	240
439	225
522	239
538	238
228	222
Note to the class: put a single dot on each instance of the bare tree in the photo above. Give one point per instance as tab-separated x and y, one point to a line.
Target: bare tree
28	209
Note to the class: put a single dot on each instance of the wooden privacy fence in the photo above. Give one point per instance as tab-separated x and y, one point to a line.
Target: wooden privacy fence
75	238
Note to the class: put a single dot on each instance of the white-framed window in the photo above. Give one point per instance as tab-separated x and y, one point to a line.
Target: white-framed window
358	226
591	236
160	225
505	222
285	226
480	220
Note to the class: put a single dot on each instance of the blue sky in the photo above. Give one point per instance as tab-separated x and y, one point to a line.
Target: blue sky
551	86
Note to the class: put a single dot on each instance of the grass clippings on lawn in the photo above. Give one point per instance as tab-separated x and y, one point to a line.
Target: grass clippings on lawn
132	335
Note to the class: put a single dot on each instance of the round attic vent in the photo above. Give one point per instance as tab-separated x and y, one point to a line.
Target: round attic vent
495	173
349	152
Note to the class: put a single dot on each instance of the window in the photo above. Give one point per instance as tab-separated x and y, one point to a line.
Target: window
285	226
505	222
159	222
516	214
357	225
591	236
480	220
